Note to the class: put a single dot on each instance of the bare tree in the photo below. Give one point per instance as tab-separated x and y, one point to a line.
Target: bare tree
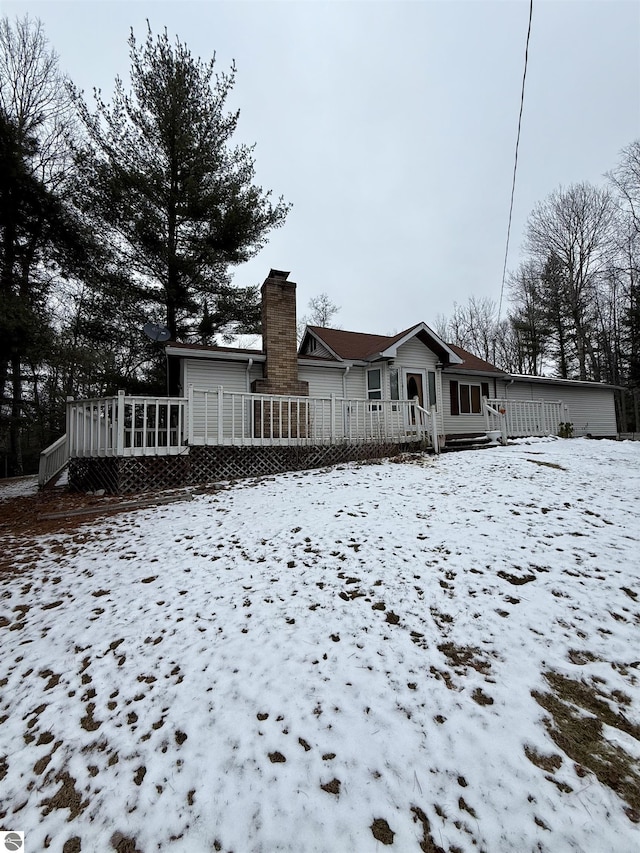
472	326
34	97
575	226
626	180
34	114
321	313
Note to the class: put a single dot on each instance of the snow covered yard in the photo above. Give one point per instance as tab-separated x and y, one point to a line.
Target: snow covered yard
433	655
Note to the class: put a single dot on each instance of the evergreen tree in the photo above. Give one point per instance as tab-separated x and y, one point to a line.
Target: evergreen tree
178	201
40	237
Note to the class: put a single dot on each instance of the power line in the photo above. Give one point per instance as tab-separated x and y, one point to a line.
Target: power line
515	161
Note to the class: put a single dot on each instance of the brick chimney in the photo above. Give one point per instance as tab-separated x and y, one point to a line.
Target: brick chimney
279	338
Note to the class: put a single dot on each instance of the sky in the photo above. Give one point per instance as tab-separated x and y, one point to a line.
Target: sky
391	128
213	675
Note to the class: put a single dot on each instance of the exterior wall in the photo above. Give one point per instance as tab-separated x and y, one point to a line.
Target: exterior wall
323	381
208	374
356	383
415	354
461	424
319	350
591	410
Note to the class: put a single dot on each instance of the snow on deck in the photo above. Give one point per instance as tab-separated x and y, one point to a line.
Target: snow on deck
330	661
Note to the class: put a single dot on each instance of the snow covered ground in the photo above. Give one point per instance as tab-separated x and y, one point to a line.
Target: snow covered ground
17	487
433	655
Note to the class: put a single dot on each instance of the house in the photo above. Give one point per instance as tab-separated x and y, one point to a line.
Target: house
413	365
339	396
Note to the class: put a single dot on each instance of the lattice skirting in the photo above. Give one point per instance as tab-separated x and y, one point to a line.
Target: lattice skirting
212	464
129	475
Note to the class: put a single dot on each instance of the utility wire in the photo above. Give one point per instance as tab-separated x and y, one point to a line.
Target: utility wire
515	162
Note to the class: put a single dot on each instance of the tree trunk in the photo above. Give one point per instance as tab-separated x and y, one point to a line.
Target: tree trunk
15	436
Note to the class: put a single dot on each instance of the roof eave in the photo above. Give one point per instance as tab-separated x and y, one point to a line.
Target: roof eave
215	355
461	369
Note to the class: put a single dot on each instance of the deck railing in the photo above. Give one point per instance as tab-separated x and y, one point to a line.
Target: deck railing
223	417
524	417
126	426
156	426
52	460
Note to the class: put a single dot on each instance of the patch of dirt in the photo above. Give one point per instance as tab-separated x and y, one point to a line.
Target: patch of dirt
382	832
516	580
550	763
462	657
481	697
547	464
66	798
581	657
123	844
332	787
580	735
87	722
276	758
464	806
72	845
427	844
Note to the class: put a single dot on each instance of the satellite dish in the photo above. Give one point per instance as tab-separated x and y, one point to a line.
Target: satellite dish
156	332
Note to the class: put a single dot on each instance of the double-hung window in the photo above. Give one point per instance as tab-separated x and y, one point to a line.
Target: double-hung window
466	397
374	386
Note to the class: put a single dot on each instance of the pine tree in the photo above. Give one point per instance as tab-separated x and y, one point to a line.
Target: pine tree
177	199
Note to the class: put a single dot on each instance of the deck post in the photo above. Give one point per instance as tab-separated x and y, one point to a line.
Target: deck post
503	428
332	425
220	415
190	415
434	430
71	433
120	432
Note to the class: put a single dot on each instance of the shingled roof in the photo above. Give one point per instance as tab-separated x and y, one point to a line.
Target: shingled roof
355	346
472	363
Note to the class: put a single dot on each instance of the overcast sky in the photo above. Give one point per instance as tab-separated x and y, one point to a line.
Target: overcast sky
391	127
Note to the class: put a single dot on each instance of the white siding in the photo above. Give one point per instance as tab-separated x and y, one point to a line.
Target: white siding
321	351
323	381
209	373
590	410
356	383
462	424
415	354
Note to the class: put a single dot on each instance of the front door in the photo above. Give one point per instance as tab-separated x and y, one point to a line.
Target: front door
414	383
414	388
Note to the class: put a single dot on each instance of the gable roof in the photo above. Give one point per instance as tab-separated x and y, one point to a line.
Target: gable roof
359	346
471	363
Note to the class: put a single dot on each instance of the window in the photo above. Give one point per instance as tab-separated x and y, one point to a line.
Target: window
374	387
466	398
374	384
394	384
431	377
